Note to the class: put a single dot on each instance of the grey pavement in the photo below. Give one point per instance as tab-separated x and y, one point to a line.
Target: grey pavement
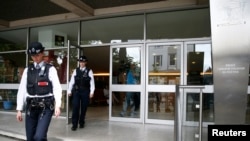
95	130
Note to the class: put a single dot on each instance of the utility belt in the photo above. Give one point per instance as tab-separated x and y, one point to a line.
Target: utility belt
40	102
81	88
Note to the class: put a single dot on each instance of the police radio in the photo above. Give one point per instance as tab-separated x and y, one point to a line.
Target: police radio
42	71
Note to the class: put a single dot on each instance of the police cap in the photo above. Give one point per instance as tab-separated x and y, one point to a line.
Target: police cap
83	59
35	48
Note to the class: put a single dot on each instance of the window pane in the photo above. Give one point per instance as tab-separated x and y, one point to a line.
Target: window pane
164	64
199	65
179	24
110	30
11	68
13	40
161	105
126	104
8	99
126	65
193	100
55	36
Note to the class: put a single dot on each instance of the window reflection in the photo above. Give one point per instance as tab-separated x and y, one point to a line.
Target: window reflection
11	68
199	64
55	36
126	65
193	99
8	99
164	64
127	104
101	31
13	40
161	105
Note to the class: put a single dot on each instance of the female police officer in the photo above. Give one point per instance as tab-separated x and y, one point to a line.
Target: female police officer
40	92
82	86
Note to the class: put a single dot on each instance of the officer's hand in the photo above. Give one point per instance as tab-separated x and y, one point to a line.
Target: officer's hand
19	116
69	94
57	111
91	95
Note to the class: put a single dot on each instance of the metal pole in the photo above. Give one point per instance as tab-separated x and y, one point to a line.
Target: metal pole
178	116
67	79
179	111
200	115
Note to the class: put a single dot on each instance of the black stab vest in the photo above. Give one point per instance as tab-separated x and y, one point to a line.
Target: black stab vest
38	82
82	79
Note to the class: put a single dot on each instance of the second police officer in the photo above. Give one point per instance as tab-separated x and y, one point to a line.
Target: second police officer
81	88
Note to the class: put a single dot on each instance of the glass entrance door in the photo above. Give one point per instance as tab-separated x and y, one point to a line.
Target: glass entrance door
164	69
198	72
126	87
198	68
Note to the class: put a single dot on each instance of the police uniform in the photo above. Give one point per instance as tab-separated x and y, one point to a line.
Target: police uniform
39	93
81	85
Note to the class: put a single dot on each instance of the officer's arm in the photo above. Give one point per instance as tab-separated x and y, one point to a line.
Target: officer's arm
57	89
92	83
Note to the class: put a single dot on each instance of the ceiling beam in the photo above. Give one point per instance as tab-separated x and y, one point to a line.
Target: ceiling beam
200	2
103	11
45	19
4	23
146	6
75	6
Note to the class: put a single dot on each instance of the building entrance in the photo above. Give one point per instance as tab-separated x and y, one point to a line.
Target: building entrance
164	65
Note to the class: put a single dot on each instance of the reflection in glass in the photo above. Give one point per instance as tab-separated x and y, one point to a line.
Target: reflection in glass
11	68
73	52
127	104
55	36
199	64
126	65
166	25
193	100
8	99
13	40
112	30
161	105
164	64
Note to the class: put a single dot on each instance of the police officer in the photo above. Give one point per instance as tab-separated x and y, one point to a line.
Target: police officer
40	93
81	87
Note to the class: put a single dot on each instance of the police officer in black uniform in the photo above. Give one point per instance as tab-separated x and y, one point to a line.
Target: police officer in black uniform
39	94
81	87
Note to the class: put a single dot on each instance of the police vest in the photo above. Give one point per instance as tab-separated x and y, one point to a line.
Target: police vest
82	79
38	82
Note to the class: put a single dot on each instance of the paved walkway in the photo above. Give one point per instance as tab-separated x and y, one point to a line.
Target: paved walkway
95	130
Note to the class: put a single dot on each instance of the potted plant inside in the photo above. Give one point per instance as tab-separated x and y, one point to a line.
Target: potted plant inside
7	104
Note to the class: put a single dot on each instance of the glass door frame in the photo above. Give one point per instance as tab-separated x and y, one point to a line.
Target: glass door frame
160	88
208	88
118	87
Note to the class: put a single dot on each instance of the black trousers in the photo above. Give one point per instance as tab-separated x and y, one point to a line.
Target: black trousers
37	121
80	102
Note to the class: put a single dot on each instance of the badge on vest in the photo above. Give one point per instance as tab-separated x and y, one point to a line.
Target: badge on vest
43	83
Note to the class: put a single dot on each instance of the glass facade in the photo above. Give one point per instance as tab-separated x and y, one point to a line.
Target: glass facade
178	24
112	30
153	66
